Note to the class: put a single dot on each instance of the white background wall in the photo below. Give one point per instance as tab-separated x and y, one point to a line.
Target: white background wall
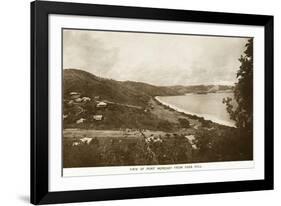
14	102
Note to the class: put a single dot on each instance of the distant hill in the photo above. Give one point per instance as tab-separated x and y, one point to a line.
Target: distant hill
201	88
129	92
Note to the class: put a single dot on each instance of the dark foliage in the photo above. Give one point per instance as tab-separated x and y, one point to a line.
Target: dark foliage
184	123
243	91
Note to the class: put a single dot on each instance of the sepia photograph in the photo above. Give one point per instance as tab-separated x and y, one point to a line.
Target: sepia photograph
140	98
140	102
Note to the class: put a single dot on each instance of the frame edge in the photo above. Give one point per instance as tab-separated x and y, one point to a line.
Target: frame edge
39	132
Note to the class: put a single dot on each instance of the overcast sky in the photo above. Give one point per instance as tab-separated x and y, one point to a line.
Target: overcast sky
159	59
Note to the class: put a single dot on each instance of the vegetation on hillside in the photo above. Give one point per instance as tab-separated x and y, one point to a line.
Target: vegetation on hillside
133	128
129	92
154	148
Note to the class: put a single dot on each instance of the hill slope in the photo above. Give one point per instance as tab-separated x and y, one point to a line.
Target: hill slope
127	92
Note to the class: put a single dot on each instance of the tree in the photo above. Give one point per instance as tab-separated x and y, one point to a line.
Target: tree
184	123
242	114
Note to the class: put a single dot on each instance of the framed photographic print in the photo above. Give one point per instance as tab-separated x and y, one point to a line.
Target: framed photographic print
131	102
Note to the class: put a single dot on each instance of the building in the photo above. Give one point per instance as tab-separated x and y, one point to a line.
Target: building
86	99
97	117
70	102
96	97
101	104
79	121
78	100
74	95
192	140
76	143
86	140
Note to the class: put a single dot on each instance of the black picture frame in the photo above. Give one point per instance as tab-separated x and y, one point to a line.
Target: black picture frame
39	101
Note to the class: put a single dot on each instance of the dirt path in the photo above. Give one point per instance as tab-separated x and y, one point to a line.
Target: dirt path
124	105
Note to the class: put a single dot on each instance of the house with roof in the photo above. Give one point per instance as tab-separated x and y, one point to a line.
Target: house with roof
86	140
86	99
97	117
101	104
74	95
78	100
81	120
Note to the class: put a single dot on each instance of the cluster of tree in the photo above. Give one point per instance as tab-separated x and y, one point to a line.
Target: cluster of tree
243	91
112	152
227	144
184	123
242	112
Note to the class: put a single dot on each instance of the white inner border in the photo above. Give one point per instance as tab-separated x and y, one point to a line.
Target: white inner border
59	183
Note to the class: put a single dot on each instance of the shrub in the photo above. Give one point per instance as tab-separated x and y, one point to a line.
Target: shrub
206	123
184	123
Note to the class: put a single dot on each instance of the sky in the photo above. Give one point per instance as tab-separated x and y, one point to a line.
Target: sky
158	59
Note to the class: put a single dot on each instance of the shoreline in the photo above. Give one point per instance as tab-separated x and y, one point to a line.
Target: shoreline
206	117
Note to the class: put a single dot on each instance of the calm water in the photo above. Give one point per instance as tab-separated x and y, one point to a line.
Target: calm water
209	106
